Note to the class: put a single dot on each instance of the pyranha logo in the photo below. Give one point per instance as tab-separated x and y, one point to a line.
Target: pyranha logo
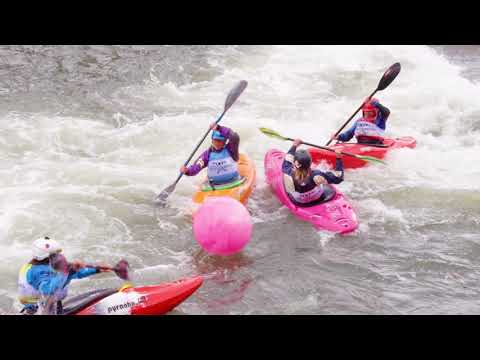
127	305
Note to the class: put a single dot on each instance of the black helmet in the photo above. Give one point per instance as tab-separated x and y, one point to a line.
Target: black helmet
304	159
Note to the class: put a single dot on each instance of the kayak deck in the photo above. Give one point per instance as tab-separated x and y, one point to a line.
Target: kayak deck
145	300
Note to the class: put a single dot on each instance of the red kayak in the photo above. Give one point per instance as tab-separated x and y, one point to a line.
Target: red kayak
377	151
145	300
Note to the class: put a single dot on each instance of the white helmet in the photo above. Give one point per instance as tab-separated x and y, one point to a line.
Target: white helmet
44	247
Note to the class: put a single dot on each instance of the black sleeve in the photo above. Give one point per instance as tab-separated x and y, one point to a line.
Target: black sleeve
334	178
384	110
233	145
292	150
287	165
339	164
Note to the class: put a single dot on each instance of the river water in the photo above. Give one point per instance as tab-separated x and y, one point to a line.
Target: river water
89	135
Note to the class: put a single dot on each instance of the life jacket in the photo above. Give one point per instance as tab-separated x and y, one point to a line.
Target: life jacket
306	192
221	167
366	131
27	294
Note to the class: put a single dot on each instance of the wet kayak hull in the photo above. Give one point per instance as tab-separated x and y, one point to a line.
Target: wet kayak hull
145	300
328	157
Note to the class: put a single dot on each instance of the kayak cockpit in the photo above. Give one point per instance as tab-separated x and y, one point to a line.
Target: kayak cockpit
80	302
207	186
329	193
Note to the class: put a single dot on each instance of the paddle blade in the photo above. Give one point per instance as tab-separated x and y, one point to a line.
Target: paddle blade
121	269
161	198
234	94
371	159
271	133
389	76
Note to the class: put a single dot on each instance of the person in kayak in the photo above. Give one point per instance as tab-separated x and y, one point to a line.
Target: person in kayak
370	128
220	159
304	186
47	276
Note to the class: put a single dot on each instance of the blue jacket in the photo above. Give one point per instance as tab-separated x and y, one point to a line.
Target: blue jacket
47	281
381	122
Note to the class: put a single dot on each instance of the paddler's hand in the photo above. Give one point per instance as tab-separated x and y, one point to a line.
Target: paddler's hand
297	142
104	268
183	169
213	126
338	153
59	263
334	137
77	265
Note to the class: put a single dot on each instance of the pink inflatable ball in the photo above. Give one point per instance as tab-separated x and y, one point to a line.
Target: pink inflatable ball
222	226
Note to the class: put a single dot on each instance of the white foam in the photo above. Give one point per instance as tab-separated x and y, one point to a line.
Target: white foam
71	176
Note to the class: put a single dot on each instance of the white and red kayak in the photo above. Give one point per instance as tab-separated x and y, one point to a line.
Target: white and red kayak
145	300
335	214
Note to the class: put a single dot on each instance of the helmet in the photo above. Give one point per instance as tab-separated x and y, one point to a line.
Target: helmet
303	158
216	135
44	247
370	107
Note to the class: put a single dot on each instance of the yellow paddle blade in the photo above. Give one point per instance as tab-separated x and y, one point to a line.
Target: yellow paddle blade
271	133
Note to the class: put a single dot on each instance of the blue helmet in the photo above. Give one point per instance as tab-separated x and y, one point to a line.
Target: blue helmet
216	135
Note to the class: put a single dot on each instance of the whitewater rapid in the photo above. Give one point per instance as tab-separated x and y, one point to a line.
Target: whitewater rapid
90	135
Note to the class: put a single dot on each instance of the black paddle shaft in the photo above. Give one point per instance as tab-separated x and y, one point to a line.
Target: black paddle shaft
351	117
323	147
384	82
198	145
231	98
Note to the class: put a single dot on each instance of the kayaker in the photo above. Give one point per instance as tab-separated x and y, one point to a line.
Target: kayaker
370	128
46	277
220	159
307	187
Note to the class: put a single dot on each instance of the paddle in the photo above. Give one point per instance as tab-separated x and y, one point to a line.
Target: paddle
386	80
60	263
121	269
276	135
367	144
231	98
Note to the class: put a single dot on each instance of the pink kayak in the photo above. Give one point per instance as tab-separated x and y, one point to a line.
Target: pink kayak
335	215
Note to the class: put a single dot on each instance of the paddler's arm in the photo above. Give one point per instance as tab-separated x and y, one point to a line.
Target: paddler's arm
347	135
233	141
385	113
49	283
201	163
336	176
83	273
287	166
